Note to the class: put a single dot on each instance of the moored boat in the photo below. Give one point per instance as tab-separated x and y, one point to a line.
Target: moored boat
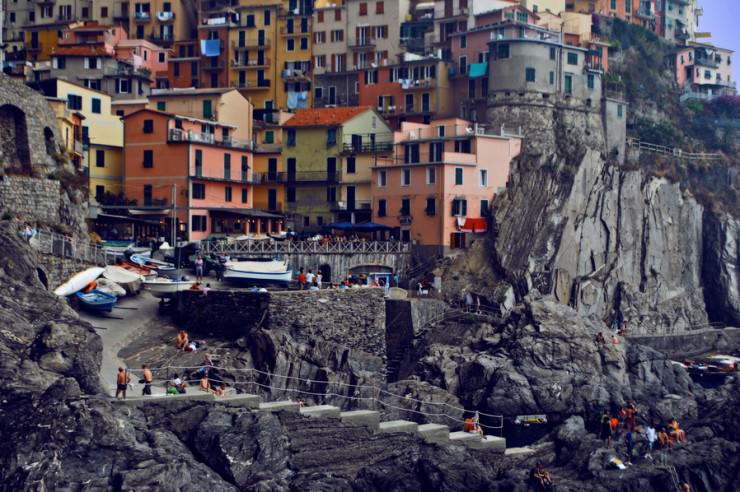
146	273
163	287
109	287
258	272
96	301
151	263
129	280
78	281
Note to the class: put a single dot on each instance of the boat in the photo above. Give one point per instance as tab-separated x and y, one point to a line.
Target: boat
130	281
129	248
96	301
163	287
78	281
109	287
256	272
151	263
146	273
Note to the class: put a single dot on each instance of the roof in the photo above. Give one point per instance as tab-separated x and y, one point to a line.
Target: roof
189	91
91	26
179	117
83	50
324	116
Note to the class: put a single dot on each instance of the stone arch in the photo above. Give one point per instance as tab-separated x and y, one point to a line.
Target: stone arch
49	141
14	151
41	274
325	270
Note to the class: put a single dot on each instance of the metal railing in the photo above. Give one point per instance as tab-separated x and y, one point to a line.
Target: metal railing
177	135
85	252
267	247
672	151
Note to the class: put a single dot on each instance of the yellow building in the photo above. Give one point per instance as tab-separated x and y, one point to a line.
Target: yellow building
69	123
537	6
269	166
293	56
162	21
41	40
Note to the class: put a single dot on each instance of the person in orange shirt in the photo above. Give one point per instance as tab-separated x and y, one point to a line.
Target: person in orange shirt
147	378
122	381
182	340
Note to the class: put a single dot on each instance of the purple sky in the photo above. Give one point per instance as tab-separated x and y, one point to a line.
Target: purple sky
720	18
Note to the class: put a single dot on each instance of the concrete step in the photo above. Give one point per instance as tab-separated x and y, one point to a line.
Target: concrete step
240	400
461	437
434	432
398	426
518	451
490	443
322	411
167	399
368	418
279	406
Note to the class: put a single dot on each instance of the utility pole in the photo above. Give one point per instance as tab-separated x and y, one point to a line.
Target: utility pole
174	215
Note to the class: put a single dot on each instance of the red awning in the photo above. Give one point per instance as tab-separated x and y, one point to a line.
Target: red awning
475	225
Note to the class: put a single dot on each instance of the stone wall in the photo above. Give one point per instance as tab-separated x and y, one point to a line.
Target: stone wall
35	199
693	343
224	313
55	270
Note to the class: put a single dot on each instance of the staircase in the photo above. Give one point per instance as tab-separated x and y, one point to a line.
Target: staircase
370	419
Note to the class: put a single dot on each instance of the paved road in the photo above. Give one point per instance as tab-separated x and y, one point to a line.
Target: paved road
137	312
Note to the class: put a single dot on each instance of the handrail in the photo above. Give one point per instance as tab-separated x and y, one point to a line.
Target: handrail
268	247
672	151
53	244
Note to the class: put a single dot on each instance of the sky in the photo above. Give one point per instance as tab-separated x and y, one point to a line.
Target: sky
720	18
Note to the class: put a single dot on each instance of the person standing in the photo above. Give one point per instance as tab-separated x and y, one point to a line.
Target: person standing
122	382
606	428
199	269
302	279
630	443
651	437
319	279
309	277
147	378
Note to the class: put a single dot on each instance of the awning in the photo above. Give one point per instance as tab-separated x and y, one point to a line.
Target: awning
254	213
154	211
123	218
371	227
475	225
477	70
342	226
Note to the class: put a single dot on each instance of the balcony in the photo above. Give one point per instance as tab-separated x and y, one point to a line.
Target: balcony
78	147
364	45
45	2
250	64
367	147
446	133
706	62
34	47
295	75
178	136
250	44
162	38
246	86
211	68
682	34
423	84
165	16
268	148
404	218
268	178
284	31
311	177
142	16
645	14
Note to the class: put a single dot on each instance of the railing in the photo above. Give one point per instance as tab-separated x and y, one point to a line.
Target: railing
308	176
51	243
251	63
367	147
177	135
268	247
672	151
264	43
261	84
142	16
164	16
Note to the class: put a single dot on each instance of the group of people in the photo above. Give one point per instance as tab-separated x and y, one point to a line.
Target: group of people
310	280
601	339
472	425
184	343
626	418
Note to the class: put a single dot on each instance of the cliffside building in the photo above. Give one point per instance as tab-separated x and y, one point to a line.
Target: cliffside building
703	71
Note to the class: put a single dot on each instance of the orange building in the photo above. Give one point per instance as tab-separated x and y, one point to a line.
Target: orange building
194	166
437	188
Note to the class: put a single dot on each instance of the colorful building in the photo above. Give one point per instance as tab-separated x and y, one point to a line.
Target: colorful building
703	71
193	166
437	187
328	153
162	22
70	130
335	81
41	39
374	30
269	166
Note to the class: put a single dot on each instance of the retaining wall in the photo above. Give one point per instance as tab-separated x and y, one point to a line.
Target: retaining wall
35	199
692	343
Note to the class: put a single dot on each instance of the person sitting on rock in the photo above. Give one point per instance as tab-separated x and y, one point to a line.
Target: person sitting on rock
664	441
182	340
675	432
600	339
204	384
541	478
220	390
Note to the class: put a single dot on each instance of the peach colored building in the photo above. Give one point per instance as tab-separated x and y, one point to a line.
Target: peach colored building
704	71
194	166
437	188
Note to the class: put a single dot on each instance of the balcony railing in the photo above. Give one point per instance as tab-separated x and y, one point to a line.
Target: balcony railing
312	176
142	16
251	64
367	147
250	44
295	74
418	84
260	85
362	45
296	31
446	132
165	16
176	135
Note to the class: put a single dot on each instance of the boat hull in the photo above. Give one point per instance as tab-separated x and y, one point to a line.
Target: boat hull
96	301
78	281
130	281
164	290
244	276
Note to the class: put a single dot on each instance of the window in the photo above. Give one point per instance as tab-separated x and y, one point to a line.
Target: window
207	108
149	158
459	207
331	194
245	167
227	166
96	105
552	78
74	102
371	77
227	194
363	8
484	211
176	69
99	192
381	208
199	191
291	138
405	177
91	63
458	176
620	110
572	58
552	53
319	16
269	137
379	7
483	177
290	195
405	206
267	17
522	16
337	15
59	62
304	44
161	57
382	178
503	51
351	165
99	158
529	74
147	195
463	65
568	84
161	106
590	81
290	44
199	223
431	208
148	126
198	162
123	86
431	175
331	137
245	194
707	74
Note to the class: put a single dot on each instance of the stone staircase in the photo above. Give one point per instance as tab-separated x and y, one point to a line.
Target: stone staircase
370	419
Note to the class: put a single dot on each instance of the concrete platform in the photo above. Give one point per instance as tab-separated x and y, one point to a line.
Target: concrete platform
167	399
461	437
368	418
434	432
240	400
518	451
279	406
323	411
398	426
489	443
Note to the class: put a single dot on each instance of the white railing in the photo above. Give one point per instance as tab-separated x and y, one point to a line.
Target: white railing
267	247
51	243
672	151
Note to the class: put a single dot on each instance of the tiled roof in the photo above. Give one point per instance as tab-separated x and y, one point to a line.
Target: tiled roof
324	116
90	50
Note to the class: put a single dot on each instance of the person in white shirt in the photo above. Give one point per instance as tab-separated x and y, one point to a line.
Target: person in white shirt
309	277
319	277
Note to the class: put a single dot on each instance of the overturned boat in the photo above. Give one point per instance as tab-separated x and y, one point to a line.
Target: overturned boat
129	280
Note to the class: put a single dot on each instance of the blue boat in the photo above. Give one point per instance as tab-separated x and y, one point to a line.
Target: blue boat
96	301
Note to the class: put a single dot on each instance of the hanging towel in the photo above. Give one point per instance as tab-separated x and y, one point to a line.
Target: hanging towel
210	47
292	100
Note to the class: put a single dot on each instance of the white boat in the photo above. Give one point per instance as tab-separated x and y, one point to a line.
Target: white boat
78	281
147	262
120	250
127	279
164	287
109	287
256	272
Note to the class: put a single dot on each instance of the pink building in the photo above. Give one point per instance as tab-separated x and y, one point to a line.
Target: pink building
438	186
704	71
143	54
